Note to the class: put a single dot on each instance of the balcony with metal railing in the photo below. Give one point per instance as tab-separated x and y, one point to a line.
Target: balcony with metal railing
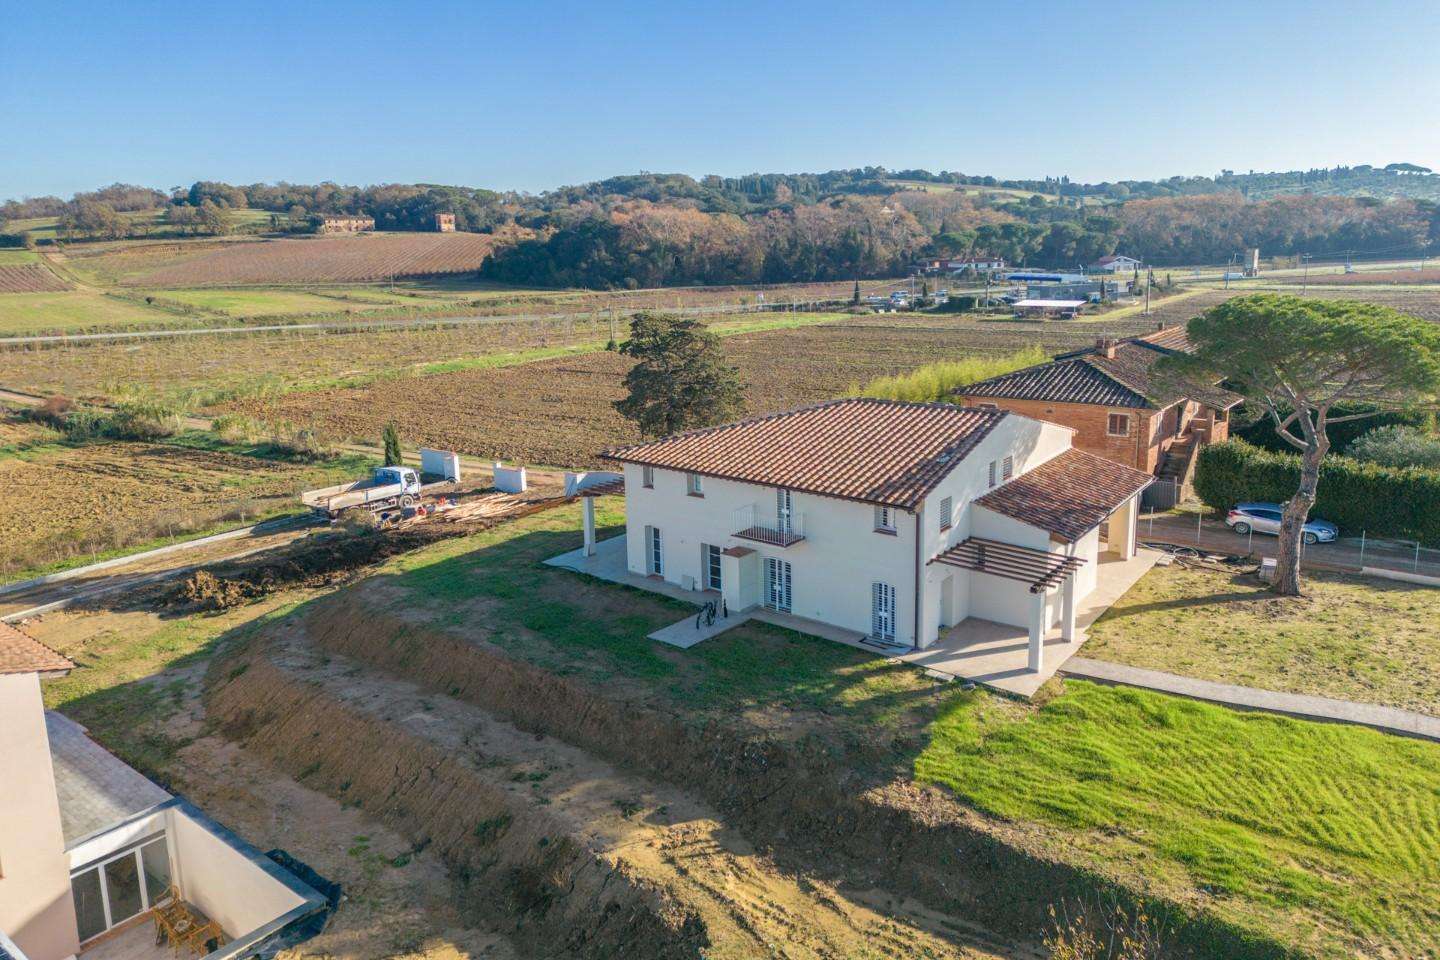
756	522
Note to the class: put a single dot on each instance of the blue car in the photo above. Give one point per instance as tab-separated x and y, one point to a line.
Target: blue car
1266	518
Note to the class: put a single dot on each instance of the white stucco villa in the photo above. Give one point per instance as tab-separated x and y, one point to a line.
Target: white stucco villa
899	522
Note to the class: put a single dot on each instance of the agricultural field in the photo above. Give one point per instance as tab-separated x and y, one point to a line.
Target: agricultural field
271	303
78	311
208	369
28	278
103	497
325	260
559	412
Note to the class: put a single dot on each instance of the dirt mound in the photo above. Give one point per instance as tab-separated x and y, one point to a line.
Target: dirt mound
805	806
518	865
321	560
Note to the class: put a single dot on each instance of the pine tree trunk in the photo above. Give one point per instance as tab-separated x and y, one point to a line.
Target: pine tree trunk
1292	526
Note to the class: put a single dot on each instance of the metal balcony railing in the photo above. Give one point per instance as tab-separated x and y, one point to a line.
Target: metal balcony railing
755	522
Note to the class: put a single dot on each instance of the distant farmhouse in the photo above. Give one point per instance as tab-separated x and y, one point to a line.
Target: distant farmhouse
1116	264
345	223
445	222
955	265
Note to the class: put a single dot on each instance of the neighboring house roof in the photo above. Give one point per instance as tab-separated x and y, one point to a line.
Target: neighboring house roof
876	451
1115	257
1127	379
22	653
96	789
1068	495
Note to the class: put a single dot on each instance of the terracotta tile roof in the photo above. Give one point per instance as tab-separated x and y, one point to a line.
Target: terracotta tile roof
1069	495
876	451
1128	379
21	653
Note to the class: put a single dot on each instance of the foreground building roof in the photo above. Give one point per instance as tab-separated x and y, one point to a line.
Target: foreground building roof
1127	378
1067	496
96	789
876	451
22	653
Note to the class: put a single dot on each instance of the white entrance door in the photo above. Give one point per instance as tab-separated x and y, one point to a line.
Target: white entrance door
882	611
777	584
657	553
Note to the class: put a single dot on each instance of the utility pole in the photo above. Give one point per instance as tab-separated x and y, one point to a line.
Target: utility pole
1305	275
1147	295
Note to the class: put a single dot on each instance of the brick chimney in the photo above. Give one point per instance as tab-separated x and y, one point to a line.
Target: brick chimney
1105	346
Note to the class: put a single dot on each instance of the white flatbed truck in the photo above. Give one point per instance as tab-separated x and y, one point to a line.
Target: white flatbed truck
386	487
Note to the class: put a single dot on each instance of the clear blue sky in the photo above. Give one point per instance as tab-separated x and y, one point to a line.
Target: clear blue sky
534	95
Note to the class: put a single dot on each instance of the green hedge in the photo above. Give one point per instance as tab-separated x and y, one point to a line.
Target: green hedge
1399	502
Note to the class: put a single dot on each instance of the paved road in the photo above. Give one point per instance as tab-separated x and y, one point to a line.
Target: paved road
1216	537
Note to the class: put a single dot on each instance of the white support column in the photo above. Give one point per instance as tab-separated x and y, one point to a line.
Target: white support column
1037	632
1067	609
589	512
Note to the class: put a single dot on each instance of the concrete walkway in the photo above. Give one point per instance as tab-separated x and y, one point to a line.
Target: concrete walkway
1388	719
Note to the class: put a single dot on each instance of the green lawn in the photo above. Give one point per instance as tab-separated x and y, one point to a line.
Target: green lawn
76	311
1333	822
1302	829
15	256
1353	638
580	626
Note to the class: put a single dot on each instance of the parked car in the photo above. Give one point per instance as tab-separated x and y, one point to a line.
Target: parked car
1266	518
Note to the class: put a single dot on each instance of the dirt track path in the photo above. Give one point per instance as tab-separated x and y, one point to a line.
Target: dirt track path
659	832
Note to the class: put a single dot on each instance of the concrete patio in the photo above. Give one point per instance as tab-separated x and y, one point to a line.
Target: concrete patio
980	651
996	654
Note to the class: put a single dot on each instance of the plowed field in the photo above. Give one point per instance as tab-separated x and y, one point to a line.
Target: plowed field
29	278
560	412
325	260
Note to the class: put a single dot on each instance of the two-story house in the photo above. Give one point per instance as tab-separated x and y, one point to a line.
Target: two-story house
1118	404
894	520
91	851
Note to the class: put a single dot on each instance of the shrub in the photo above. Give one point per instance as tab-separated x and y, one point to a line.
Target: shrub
937	381
1382	501
1398	446
237	428
86	423
144	420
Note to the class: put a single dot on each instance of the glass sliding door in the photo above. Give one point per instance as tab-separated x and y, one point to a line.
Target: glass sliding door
120	887
89	903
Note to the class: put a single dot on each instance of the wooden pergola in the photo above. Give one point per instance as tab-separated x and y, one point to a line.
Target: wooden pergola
1038	569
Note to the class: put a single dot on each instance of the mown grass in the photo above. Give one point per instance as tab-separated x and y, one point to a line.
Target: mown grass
579	626
1340	822
17	256
1328	834
1352	638
76	311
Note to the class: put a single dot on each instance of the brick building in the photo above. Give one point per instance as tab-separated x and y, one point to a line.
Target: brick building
1117	405
345	223
445	222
